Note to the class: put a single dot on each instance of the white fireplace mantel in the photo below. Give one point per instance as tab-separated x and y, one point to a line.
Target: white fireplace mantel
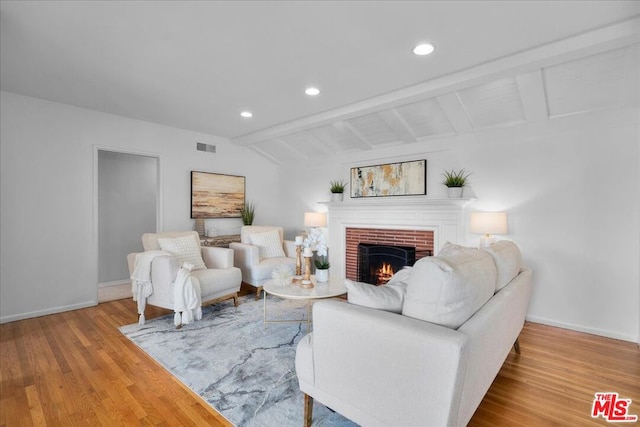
442	216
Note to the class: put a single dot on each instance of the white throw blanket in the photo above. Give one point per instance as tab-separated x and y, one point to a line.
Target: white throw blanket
186	296
141	285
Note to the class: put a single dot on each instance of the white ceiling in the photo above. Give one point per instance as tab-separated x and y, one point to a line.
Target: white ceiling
196	65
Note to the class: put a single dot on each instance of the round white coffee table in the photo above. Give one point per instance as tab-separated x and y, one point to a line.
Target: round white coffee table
331	289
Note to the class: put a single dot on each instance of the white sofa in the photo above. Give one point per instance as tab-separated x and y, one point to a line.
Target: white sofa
397	365
261	250
220	280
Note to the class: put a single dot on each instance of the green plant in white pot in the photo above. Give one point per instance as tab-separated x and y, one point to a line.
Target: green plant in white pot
247	213
337	190
455	180
316	241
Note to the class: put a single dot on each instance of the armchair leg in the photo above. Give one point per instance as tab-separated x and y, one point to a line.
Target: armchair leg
235	300
516	346
308	410
258	291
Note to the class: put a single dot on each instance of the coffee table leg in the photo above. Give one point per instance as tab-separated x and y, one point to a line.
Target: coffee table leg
308	316
264	311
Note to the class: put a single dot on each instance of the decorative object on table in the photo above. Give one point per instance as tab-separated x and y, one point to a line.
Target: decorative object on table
488	223
316	241
247	213
455	180
306	280
298	242
391	179
216	195
282	275
199	226
337	190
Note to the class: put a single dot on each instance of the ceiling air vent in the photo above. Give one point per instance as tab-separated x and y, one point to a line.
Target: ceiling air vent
209	148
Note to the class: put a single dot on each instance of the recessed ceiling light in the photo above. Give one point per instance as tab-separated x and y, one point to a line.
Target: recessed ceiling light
423	49
246	114
312	91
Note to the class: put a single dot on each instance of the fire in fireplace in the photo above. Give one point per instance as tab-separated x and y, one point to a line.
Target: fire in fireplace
377	263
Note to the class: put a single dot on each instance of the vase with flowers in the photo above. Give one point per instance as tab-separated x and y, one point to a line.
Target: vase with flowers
316	241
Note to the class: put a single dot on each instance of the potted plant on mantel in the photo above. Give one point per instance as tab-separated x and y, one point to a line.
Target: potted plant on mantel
454	182
337	190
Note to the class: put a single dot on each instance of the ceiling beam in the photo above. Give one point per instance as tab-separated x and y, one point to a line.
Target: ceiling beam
533	95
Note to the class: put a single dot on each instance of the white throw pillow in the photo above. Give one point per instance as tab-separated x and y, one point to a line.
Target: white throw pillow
386	297
185	249
508	259
269	244
448	290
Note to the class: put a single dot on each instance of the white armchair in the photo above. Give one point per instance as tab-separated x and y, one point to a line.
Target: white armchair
261	250
219	281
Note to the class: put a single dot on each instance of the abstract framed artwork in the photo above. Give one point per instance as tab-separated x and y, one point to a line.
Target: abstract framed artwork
390	179
216	195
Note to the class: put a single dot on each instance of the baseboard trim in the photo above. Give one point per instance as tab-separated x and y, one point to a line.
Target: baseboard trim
585	329
54	310
112	291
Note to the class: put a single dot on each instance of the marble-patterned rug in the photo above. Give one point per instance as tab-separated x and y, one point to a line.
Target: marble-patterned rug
242	369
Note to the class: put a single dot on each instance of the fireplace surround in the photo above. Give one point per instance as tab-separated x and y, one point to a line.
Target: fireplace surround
442	217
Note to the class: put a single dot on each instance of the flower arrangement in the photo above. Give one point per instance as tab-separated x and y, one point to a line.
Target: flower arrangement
316	241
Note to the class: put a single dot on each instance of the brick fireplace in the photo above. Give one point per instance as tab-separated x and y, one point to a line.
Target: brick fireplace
421	240
426	223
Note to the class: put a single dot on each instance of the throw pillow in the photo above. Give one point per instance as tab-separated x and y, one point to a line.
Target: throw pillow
449	289
185	249
386	297
269	244
508	261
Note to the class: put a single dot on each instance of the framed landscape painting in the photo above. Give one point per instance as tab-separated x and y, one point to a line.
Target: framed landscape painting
390	179
216	196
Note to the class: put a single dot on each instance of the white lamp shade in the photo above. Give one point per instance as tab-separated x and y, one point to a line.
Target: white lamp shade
315	219
489	223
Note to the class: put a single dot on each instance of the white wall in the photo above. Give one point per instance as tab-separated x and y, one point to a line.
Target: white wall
570	186
560	181
47	219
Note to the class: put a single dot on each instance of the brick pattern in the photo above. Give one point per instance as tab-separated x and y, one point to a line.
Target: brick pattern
422	240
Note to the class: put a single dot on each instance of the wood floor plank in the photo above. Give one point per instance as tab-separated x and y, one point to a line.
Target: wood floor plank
76	368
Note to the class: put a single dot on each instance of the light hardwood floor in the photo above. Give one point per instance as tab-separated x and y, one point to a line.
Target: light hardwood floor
76	368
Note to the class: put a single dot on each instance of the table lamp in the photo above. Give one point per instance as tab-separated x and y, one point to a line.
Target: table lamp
488	223
315	219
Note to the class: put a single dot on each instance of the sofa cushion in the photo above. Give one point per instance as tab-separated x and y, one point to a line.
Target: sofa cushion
185	249
508	260
451	249
449	289
269	243
387	297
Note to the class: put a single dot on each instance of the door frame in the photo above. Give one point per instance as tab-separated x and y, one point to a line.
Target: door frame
159	206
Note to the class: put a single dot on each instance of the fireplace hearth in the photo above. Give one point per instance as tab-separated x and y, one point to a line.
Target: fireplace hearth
377	263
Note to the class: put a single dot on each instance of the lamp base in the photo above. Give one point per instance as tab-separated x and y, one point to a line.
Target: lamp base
486	241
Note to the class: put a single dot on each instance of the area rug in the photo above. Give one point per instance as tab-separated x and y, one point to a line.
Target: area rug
244	370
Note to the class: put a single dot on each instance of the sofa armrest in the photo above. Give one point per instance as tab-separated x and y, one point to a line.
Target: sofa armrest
289	248
245	255
215	257
381	368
